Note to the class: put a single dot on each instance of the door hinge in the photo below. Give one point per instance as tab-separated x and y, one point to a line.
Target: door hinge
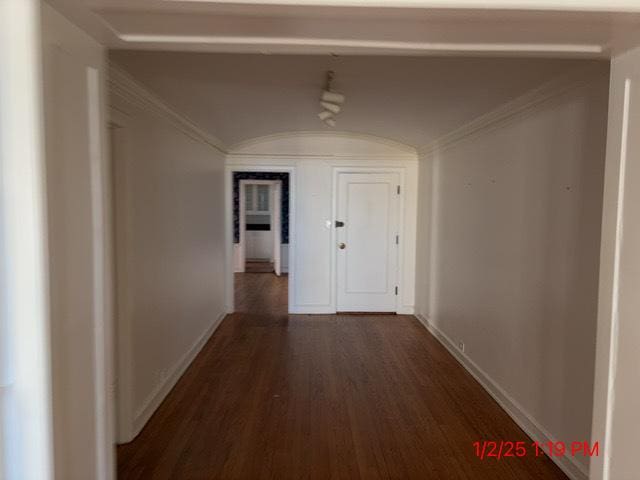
396	290
397	239
398	189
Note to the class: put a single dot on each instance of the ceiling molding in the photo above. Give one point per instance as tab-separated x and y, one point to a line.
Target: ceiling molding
374	46
540	5
507	112
123	86
402	148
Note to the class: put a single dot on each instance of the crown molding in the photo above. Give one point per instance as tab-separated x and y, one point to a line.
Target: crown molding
547	92
123	86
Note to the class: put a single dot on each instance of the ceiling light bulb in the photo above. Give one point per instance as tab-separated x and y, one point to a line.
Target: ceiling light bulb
330	122
325	115
333	97
332	107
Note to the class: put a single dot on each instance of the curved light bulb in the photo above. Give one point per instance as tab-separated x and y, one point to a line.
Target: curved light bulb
332	107
333	97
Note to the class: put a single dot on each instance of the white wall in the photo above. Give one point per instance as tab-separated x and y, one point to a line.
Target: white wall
508	253
315	157
78	250
169	190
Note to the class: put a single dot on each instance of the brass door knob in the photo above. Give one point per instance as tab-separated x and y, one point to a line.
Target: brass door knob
342	246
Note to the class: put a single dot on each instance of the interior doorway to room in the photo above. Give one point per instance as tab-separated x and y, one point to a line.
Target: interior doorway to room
261	239
260	225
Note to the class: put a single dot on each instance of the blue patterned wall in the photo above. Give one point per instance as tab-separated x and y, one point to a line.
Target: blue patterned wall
237	176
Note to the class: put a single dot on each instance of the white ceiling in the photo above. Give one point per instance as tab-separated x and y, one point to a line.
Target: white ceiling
395	85
413	100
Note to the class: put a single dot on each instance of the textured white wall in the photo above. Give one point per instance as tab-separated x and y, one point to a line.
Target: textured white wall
508	254
170	247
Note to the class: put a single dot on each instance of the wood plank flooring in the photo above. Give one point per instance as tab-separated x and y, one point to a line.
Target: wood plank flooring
277	396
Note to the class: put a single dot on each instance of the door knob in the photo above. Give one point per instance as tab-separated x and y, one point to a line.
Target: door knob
342	246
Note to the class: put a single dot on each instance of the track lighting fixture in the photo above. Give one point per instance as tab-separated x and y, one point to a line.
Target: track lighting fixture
330	101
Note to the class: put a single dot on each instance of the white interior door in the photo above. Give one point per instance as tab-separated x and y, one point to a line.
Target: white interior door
276	224
367	249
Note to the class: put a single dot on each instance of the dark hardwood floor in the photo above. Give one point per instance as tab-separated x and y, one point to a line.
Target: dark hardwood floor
283	396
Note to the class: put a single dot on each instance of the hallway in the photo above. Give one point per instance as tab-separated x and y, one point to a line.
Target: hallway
282	396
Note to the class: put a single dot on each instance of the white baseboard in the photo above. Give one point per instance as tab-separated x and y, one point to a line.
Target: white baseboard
311	310
567	464
327	310
153	401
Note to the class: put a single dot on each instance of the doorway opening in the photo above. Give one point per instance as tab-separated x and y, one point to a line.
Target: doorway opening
261	212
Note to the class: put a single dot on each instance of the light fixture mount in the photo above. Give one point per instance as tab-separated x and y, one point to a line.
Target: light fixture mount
329	83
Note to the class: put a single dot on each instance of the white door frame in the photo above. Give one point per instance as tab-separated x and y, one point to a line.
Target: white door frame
25	376
228	186
276	226
86	290
401	228
615	392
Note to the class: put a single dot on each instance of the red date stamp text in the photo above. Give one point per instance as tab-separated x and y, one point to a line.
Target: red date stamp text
500	449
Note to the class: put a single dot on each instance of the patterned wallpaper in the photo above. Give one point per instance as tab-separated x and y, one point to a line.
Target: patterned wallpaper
237	176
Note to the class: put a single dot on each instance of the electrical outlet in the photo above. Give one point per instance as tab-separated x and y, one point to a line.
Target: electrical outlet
461	346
